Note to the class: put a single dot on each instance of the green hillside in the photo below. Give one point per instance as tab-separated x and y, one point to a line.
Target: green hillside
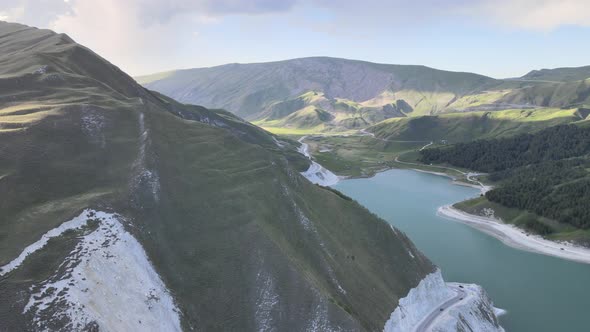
312	113
466	126
559	74
359	94
237	235
356	93
401	138
549	94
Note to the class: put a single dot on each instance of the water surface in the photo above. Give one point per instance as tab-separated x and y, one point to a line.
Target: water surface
540	293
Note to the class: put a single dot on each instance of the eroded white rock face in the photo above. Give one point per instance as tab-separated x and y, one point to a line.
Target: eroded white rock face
420	301
319	175
75	223
316	173
474	313
437	306
108	283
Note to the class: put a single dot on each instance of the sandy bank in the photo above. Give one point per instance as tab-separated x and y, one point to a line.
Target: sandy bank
516	237
473	184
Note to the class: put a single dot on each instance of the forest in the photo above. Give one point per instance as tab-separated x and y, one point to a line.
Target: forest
546	173
558	190
553	143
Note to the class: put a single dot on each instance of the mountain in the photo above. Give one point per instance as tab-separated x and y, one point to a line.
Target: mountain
313	112
318	95
122	209
357	93
566	74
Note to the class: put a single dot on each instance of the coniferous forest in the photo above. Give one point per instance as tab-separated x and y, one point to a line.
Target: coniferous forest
547	173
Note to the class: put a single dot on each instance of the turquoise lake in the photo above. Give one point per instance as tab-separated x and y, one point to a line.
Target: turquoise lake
540	293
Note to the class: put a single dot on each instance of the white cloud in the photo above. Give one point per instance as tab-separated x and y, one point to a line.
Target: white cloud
533	14
139	35
12	14
113	29
144	36
33	12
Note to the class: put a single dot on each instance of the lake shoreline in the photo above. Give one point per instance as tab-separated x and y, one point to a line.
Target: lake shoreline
508	234
385	169
511	235
526	284
454	179
517	238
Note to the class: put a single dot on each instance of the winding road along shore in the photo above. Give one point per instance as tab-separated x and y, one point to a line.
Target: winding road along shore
438	312
517	238
468	175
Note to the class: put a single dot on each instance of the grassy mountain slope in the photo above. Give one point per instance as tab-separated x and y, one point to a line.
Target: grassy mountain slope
359	94
566	74
312	112
237	235
252	90
548	94
466	126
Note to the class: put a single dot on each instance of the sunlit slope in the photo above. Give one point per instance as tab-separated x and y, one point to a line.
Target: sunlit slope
566	74
313	112
465	126
242	241
250	90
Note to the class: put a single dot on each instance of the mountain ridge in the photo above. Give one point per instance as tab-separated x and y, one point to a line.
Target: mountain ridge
239	238
562	74
356	93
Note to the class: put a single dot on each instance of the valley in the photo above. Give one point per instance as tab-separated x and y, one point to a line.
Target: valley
411	123
322	95
290	192
361	118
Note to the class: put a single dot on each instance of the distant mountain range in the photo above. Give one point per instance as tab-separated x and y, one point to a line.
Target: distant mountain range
323	94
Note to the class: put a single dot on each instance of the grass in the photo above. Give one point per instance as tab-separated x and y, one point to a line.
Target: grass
364	156
478	99
289	131
465	126
23	120
357	156
425	102
536	115
438	123
145	79
257	217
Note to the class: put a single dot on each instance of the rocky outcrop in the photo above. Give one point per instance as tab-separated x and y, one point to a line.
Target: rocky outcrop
444	307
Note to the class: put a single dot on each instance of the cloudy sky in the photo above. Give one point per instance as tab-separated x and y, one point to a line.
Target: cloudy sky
500	38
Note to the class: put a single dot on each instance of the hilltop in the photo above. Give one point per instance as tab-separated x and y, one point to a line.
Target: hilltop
565	74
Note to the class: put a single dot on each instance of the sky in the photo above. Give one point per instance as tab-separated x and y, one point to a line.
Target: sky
498	38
